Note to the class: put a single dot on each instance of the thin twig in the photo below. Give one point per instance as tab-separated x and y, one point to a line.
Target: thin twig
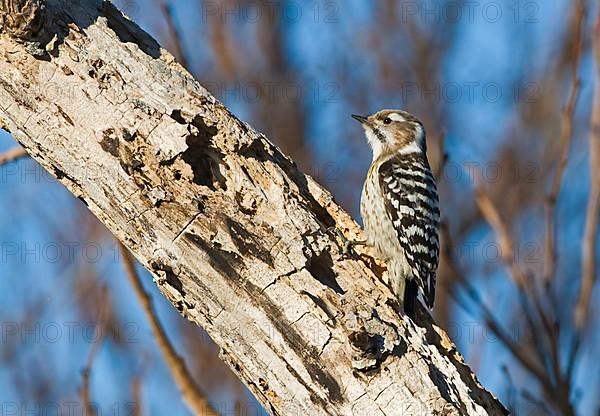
494	325
575	345
174	33
492	216
191	393
136	396
541	408
527	288
538	346
535	367
564	143
524	284
12	155
87	370
588	259
443	156
224	50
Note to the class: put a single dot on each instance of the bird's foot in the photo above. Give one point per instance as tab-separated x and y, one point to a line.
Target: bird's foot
348	244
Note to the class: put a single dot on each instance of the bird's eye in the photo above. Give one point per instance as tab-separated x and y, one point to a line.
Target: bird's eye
387	120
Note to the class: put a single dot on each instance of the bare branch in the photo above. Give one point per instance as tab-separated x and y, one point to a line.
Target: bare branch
564	145
521	279
179	52
442	156
535	367
505	241
87	370
588	259
136	396
558	391
12	155
191	393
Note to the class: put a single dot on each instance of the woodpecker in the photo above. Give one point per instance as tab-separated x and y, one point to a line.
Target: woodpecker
399	205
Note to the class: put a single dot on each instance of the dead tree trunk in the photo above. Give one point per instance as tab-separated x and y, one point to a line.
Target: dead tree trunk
234	235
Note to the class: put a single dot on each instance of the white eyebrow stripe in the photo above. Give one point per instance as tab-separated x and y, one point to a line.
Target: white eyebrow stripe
397	117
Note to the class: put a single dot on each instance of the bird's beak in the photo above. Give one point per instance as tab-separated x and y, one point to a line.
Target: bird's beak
360	119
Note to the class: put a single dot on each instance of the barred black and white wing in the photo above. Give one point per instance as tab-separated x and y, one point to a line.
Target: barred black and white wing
411	203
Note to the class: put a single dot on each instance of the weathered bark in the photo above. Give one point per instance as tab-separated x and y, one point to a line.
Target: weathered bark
234	235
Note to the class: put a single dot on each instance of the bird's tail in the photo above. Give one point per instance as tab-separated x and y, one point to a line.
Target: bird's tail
406	290
411	291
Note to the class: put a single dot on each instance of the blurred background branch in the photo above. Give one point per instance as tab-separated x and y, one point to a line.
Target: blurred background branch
12	155
190	392
565	144
590	244
87	370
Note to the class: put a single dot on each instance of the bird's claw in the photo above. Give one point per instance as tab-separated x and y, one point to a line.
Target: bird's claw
348	244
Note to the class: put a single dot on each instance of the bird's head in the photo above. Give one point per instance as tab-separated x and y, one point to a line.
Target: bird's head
393	131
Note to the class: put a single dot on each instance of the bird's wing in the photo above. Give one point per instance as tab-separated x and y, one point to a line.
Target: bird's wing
411	203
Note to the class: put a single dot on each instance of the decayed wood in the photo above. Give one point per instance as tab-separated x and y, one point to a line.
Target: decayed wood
234	235
21	18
